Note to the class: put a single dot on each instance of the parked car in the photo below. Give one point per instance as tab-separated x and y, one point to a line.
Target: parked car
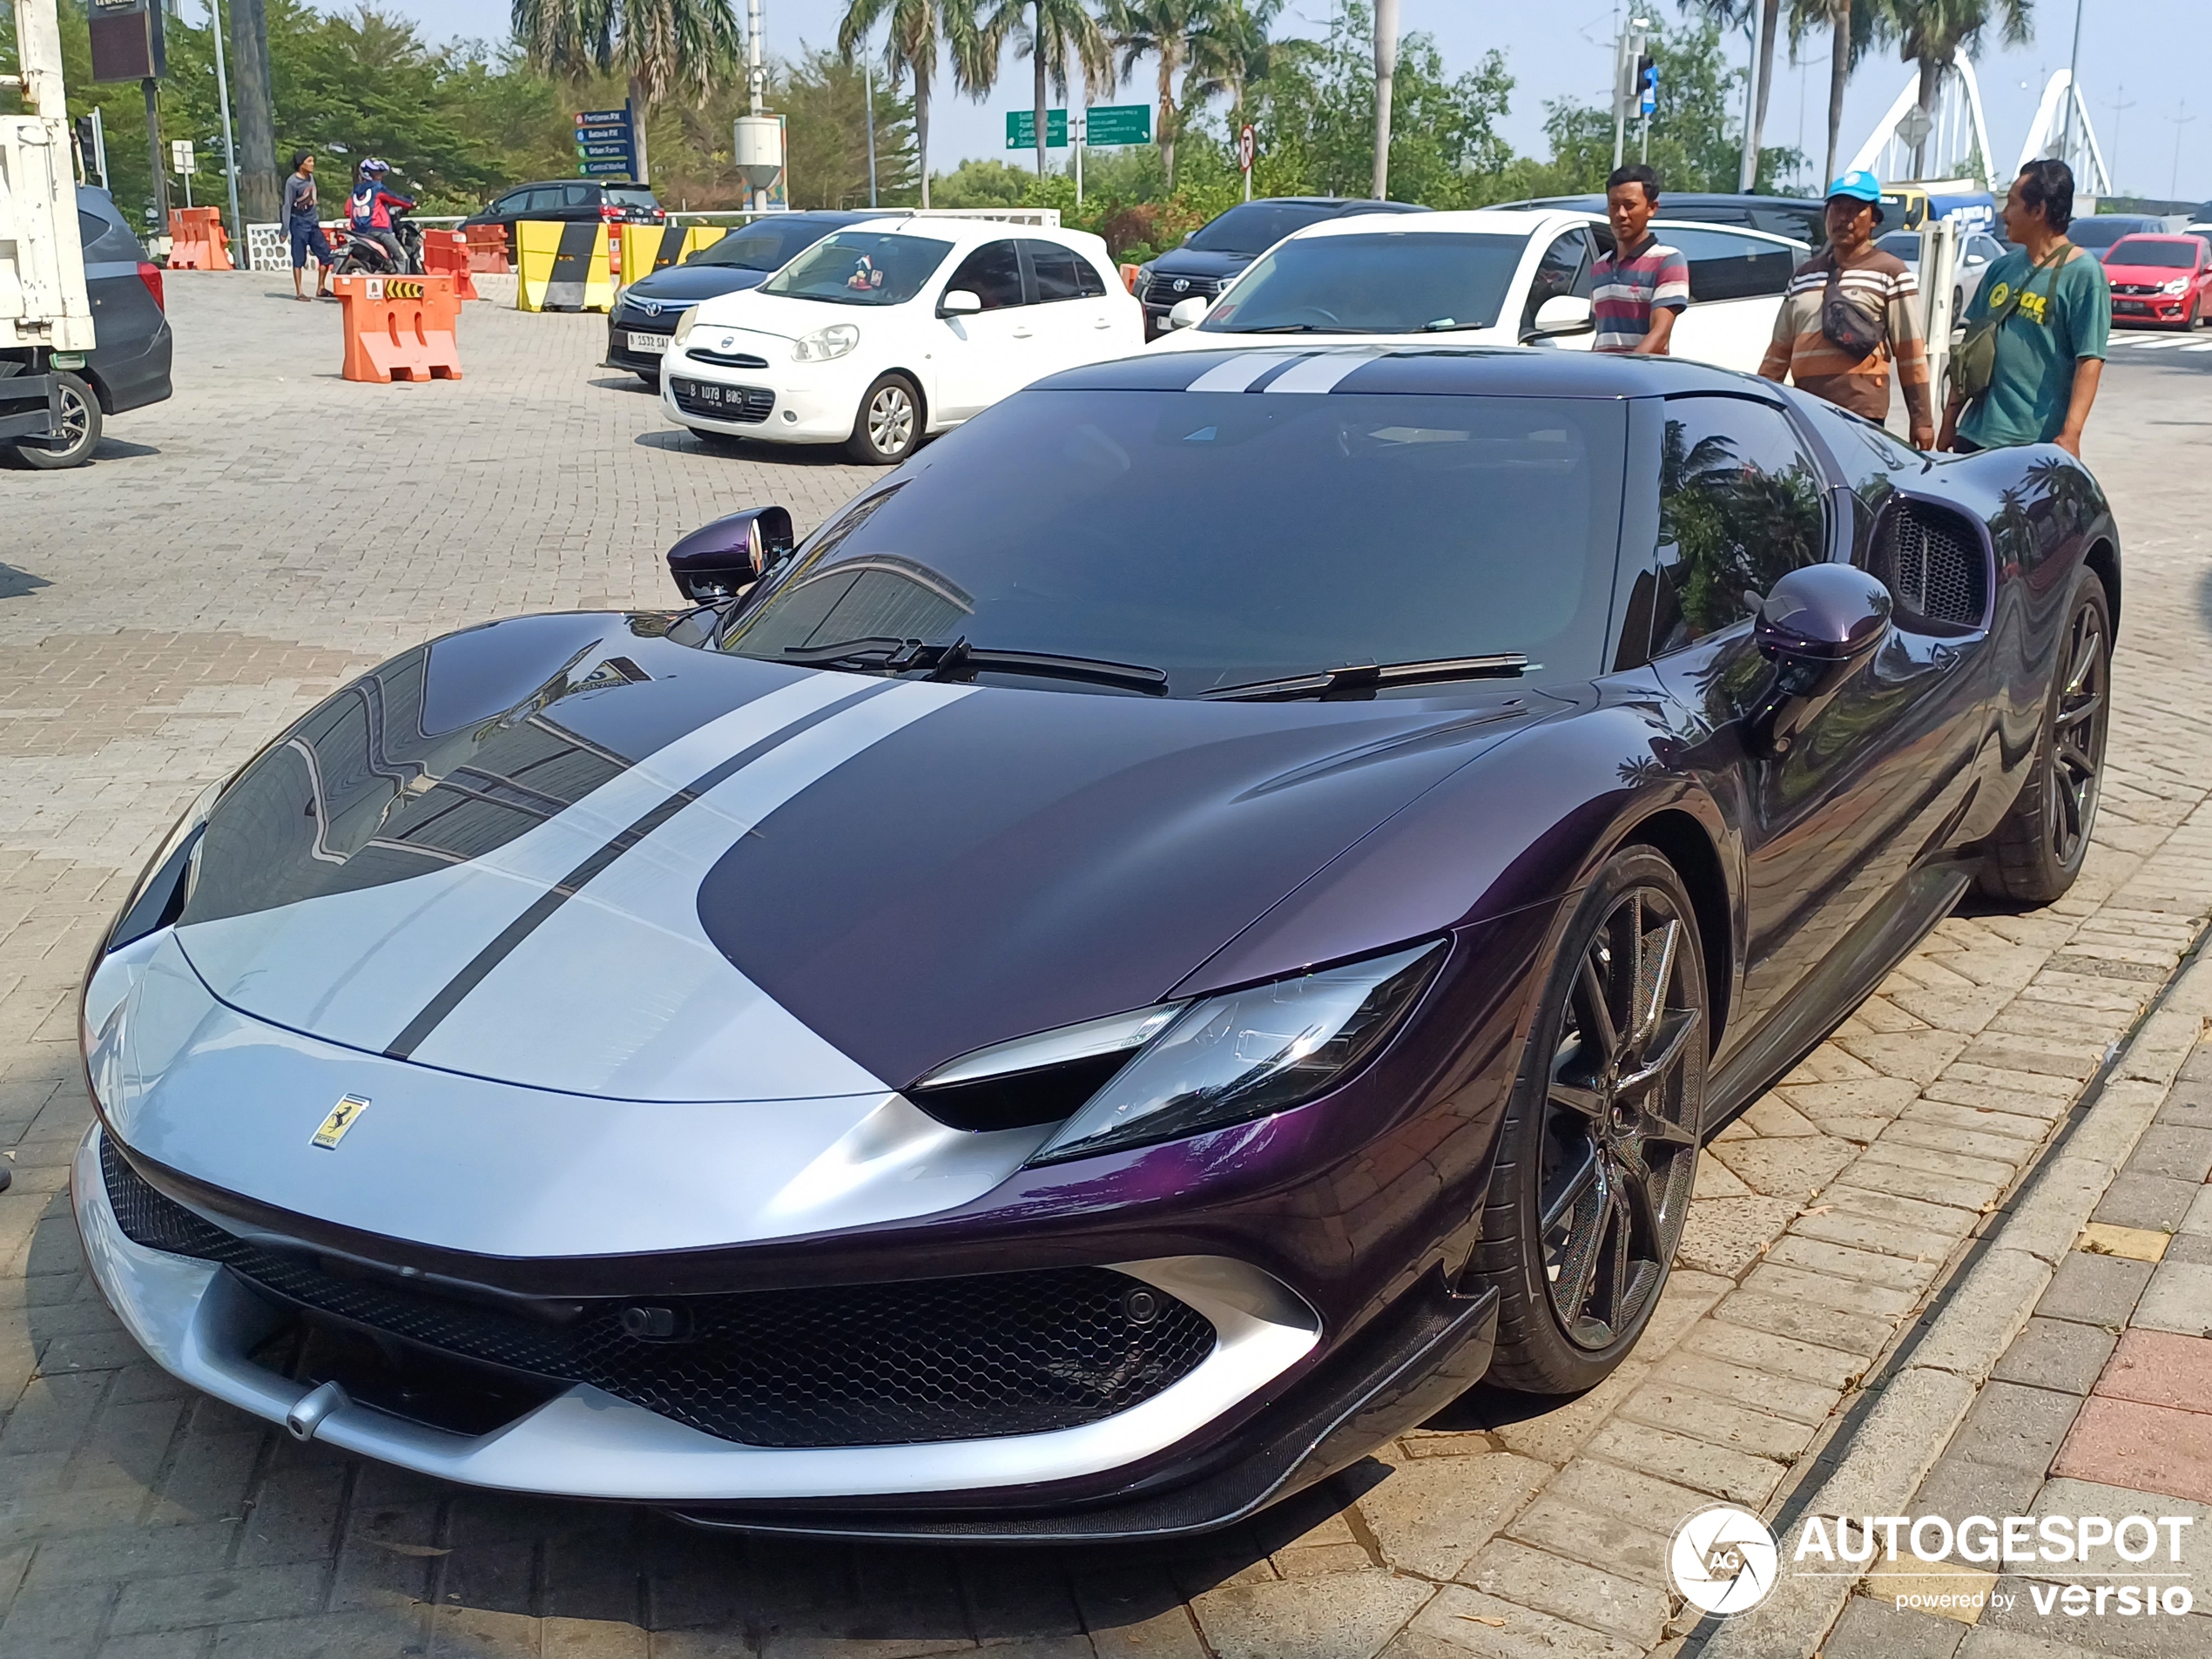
1977	253
1498	276
1212	255
1799	218
570	199
2099	231
644	315
887	331
129	367
1161	943
2160	280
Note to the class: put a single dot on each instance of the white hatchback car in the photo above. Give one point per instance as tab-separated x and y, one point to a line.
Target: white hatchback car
885	332
1496	276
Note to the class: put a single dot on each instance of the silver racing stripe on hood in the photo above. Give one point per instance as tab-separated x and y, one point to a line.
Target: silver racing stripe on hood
619	992
357	965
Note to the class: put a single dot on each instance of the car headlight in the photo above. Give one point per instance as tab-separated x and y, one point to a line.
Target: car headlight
1161	1073
2179	284
685	324
824	343
158	897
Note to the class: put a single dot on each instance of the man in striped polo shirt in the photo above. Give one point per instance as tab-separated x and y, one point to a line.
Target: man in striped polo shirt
1850	312
1640	287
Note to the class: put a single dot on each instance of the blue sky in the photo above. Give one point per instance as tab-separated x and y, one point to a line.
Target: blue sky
2149	55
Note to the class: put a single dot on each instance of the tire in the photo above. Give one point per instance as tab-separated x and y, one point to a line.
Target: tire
2036	852
888	425
1598	1152
80	420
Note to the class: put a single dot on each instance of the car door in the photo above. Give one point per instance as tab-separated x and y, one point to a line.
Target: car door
1564	268
982	355
1737	280
1072	319
1832	824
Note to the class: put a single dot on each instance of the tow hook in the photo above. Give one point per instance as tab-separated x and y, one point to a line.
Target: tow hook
310	1411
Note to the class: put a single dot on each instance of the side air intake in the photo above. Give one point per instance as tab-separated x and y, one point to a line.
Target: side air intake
1934	563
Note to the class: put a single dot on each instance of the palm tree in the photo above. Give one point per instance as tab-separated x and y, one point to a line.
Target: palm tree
1162	31
1055	37
1728	14
1851	31
1931	33
660	47
1229	50
918	29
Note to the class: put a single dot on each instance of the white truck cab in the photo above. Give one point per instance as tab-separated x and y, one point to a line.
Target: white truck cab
44	312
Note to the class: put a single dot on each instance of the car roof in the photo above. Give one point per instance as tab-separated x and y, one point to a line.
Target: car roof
961	230
1528	222
2159	236
1465	371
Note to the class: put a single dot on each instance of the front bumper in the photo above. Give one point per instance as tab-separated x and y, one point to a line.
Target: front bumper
203	1324
804	403
619	351
2162	309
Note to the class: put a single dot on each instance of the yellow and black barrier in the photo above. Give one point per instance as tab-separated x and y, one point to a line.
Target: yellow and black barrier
562	266
648	248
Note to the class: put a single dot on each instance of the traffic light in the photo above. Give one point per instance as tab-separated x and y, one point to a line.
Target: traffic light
1647	83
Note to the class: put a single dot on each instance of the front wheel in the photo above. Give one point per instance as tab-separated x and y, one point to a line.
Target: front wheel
1598	1153
80	430
889	423
2038	850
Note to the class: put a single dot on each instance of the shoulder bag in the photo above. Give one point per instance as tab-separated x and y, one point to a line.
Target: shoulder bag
1974	365
1844	325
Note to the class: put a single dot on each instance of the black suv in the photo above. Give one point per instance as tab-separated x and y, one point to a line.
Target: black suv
127	369
570	199
1225	245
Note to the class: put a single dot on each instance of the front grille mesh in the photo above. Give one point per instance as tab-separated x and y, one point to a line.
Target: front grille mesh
853	1365
1934	565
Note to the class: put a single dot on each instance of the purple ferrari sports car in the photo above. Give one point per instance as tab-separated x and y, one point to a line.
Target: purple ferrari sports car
1207	912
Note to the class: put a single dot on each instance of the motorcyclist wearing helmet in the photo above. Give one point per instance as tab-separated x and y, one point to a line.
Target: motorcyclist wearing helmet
370	209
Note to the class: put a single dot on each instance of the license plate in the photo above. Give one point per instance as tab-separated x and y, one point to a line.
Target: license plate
651	344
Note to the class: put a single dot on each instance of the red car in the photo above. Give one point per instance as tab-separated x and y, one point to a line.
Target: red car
2159	279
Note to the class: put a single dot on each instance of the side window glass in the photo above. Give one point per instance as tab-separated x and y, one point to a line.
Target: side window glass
1723	265
992	275
582	195
1564	269
544	200
1874	463
510	203
1739	507
90	228
1088	283
1055	267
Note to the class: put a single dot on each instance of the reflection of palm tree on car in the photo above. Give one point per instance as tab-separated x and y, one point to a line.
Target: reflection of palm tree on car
1734	528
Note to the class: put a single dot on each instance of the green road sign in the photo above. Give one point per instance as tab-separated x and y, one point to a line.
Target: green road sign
1022	129
1118	123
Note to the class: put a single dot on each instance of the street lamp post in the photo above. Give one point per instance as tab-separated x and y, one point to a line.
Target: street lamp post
223	97
2073	88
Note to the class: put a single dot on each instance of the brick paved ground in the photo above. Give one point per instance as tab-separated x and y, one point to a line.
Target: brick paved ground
232	558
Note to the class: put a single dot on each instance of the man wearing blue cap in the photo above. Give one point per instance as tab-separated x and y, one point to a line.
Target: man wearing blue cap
2052	312
1850	311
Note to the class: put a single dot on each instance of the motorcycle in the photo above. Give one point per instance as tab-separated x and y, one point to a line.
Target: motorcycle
363	257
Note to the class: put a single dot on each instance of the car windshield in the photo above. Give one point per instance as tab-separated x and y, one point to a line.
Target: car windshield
1257	226
1394	283
2142	250
757	247
1153	528
629	196
861	268
2091	232
1904	244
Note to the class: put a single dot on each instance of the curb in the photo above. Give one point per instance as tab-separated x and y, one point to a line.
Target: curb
1915	1400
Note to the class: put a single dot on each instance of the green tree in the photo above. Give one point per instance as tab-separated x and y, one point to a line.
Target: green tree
1931	33
1229	50
1056	37
920	30
1852	30
658	46
825	99
1159	30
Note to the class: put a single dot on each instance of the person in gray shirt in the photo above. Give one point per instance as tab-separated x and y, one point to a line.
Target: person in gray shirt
306	230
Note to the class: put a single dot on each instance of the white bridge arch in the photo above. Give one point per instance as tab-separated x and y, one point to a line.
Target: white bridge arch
1958	144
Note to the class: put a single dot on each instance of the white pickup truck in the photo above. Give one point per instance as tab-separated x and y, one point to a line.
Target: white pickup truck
45	316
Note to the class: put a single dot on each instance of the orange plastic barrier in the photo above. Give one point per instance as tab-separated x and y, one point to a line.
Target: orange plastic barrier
1129	275
446	254
487	248
400	328
198	241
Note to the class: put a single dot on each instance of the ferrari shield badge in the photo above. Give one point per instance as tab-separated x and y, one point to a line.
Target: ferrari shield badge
342	1117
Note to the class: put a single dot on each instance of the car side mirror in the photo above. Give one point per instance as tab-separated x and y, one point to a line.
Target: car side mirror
1816	626
721	560
1189	313
958	302
1563	313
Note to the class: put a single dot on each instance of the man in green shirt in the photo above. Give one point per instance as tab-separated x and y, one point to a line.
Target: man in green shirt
2051	350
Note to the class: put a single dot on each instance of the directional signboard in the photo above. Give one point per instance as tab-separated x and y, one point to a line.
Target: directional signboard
1118	123
1022	129
605	144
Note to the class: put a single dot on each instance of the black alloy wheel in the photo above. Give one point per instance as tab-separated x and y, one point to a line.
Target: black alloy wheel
2038	851
80	428
1600	1154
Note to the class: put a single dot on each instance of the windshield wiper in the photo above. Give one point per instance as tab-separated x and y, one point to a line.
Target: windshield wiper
1444	327
957	659
1355	678
1285	329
